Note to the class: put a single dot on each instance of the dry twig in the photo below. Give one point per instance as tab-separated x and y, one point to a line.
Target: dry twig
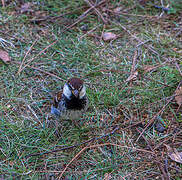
133	73
160	144
96	10
76	145
160	165
83	16
178	68
45	72
99	145
19	70
3	3
90	31
53	18
37	56
134	62
132	35
154	117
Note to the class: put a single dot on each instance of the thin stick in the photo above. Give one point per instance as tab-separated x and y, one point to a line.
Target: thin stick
90	31
96	10
80	18
161	168
156	81
178	68
83	16
134	63
52	18
99	145
45	72
76	145
150	48
160	144
127	14
3	3
133	73
154	117
19	70
37	55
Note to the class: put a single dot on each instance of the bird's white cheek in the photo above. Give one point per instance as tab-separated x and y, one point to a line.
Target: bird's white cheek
82	92
66	91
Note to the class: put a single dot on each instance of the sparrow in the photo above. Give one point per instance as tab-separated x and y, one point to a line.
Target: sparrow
71	102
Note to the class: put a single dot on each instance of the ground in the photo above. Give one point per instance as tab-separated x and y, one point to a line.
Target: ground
132	129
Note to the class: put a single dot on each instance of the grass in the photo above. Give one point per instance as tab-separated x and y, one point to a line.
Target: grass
25	97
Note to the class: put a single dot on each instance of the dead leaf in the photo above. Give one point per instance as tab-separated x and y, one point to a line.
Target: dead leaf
107	36
178	96
174	154
4	56
133	76
27	7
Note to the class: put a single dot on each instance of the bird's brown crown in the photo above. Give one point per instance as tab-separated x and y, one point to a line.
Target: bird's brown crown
75	83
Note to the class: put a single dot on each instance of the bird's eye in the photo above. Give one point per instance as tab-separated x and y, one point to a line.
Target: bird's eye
70	87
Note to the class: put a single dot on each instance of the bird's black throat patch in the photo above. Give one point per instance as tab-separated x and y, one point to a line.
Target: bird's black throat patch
75	103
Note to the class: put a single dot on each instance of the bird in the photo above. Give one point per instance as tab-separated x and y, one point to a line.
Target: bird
71	102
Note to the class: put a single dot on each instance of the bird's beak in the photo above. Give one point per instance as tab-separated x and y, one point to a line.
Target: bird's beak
76	93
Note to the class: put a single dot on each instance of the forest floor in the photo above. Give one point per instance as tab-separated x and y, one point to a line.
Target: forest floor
129	55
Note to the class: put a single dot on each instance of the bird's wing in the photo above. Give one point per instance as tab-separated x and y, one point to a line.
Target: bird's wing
56	99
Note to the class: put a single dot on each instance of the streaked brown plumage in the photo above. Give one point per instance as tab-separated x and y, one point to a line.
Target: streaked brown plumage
71	102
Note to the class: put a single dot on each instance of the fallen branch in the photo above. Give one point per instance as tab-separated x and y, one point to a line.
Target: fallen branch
83	16
156	81
96	10
20	68
140	41
76	145
133	73
38	69
99	145
160	144
53	18
3	3
36	56
154	117
160	165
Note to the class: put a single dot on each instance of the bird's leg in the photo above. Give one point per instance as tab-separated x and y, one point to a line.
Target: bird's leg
58	129
75	122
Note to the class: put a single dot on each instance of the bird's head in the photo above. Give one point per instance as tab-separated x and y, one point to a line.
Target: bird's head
74	88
